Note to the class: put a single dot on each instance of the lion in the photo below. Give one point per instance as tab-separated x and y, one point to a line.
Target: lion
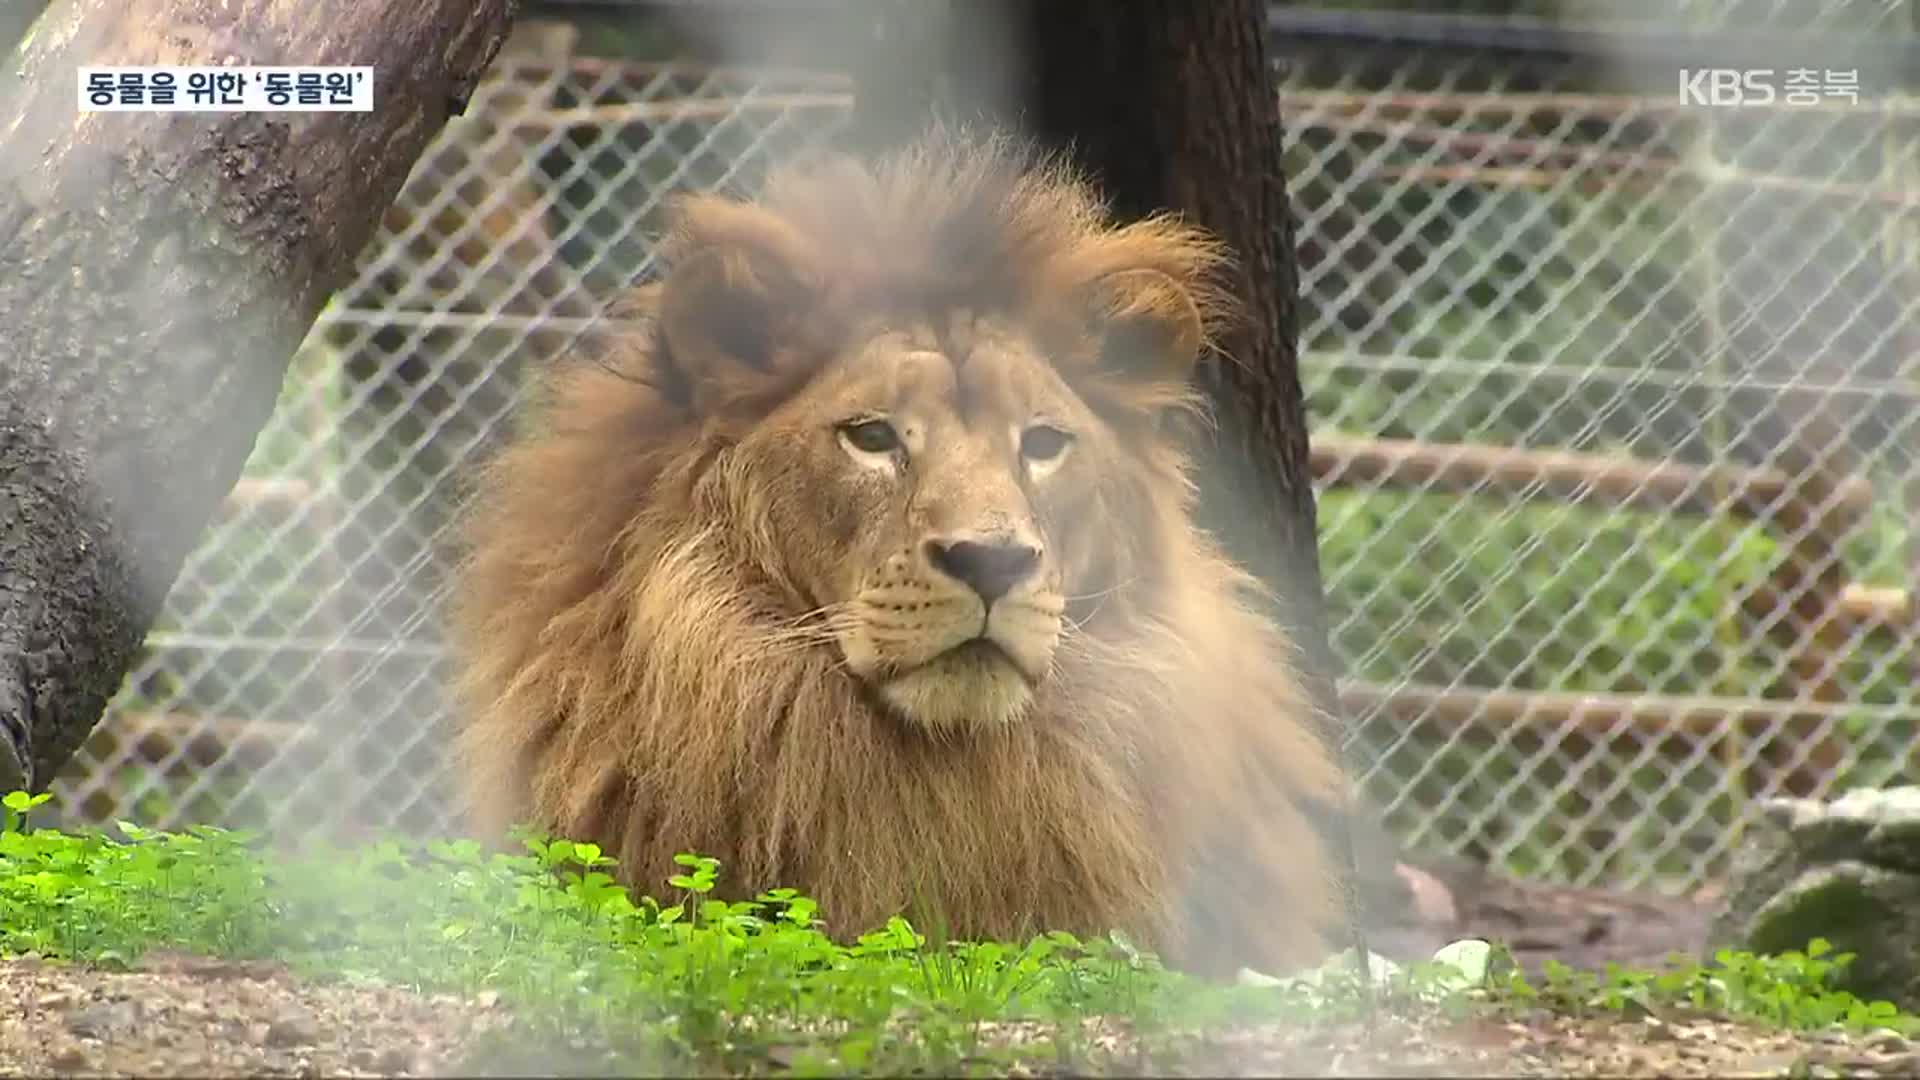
867	566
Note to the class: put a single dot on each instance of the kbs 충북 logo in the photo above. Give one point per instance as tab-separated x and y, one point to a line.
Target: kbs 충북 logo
1747	87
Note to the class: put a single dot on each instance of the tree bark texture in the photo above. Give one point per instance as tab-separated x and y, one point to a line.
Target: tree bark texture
1167	105
157	273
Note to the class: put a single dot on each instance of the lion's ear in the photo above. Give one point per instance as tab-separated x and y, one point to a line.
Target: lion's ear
729	307
1148	324
718	310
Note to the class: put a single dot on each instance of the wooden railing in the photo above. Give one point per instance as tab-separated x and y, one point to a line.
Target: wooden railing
1807	606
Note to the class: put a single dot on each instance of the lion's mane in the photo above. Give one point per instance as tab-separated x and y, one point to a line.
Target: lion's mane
624	679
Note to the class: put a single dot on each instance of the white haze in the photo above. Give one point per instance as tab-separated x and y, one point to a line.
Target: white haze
747	40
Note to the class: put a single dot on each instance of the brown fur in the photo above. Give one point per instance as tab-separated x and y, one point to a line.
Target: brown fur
693	617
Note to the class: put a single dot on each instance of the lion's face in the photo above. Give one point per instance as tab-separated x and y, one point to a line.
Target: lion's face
926	491
934	431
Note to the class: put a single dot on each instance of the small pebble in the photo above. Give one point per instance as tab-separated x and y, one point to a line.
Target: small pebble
1887	1041
293	1029
101	1020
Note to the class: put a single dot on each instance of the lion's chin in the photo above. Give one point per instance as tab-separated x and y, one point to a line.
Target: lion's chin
975	687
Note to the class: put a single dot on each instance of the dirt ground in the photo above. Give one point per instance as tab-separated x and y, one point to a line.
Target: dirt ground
179	1015
1546	1045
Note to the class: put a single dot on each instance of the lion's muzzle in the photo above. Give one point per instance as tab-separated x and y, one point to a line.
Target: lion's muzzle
959	629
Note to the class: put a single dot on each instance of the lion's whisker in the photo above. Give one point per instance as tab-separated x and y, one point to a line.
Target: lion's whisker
1103	593
828	613
1071	627
794	643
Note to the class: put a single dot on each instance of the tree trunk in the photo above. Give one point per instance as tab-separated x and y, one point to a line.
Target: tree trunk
157	272
1168	104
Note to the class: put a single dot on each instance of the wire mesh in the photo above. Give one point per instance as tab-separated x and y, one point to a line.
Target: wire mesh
1612	399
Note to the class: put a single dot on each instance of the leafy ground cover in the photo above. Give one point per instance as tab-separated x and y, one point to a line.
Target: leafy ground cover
441	957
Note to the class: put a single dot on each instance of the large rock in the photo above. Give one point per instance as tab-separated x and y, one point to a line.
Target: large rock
1846	870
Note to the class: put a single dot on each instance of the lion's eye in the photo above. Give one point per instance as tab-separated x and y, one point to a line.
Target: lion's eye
871	436
1042	443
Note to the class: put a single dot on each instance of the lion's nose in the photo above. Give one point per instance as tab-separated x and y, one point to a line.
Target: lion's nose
988	567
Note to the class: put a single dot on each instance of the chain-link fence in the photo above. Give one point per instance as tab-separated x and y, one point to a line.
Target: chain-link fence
1612	396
